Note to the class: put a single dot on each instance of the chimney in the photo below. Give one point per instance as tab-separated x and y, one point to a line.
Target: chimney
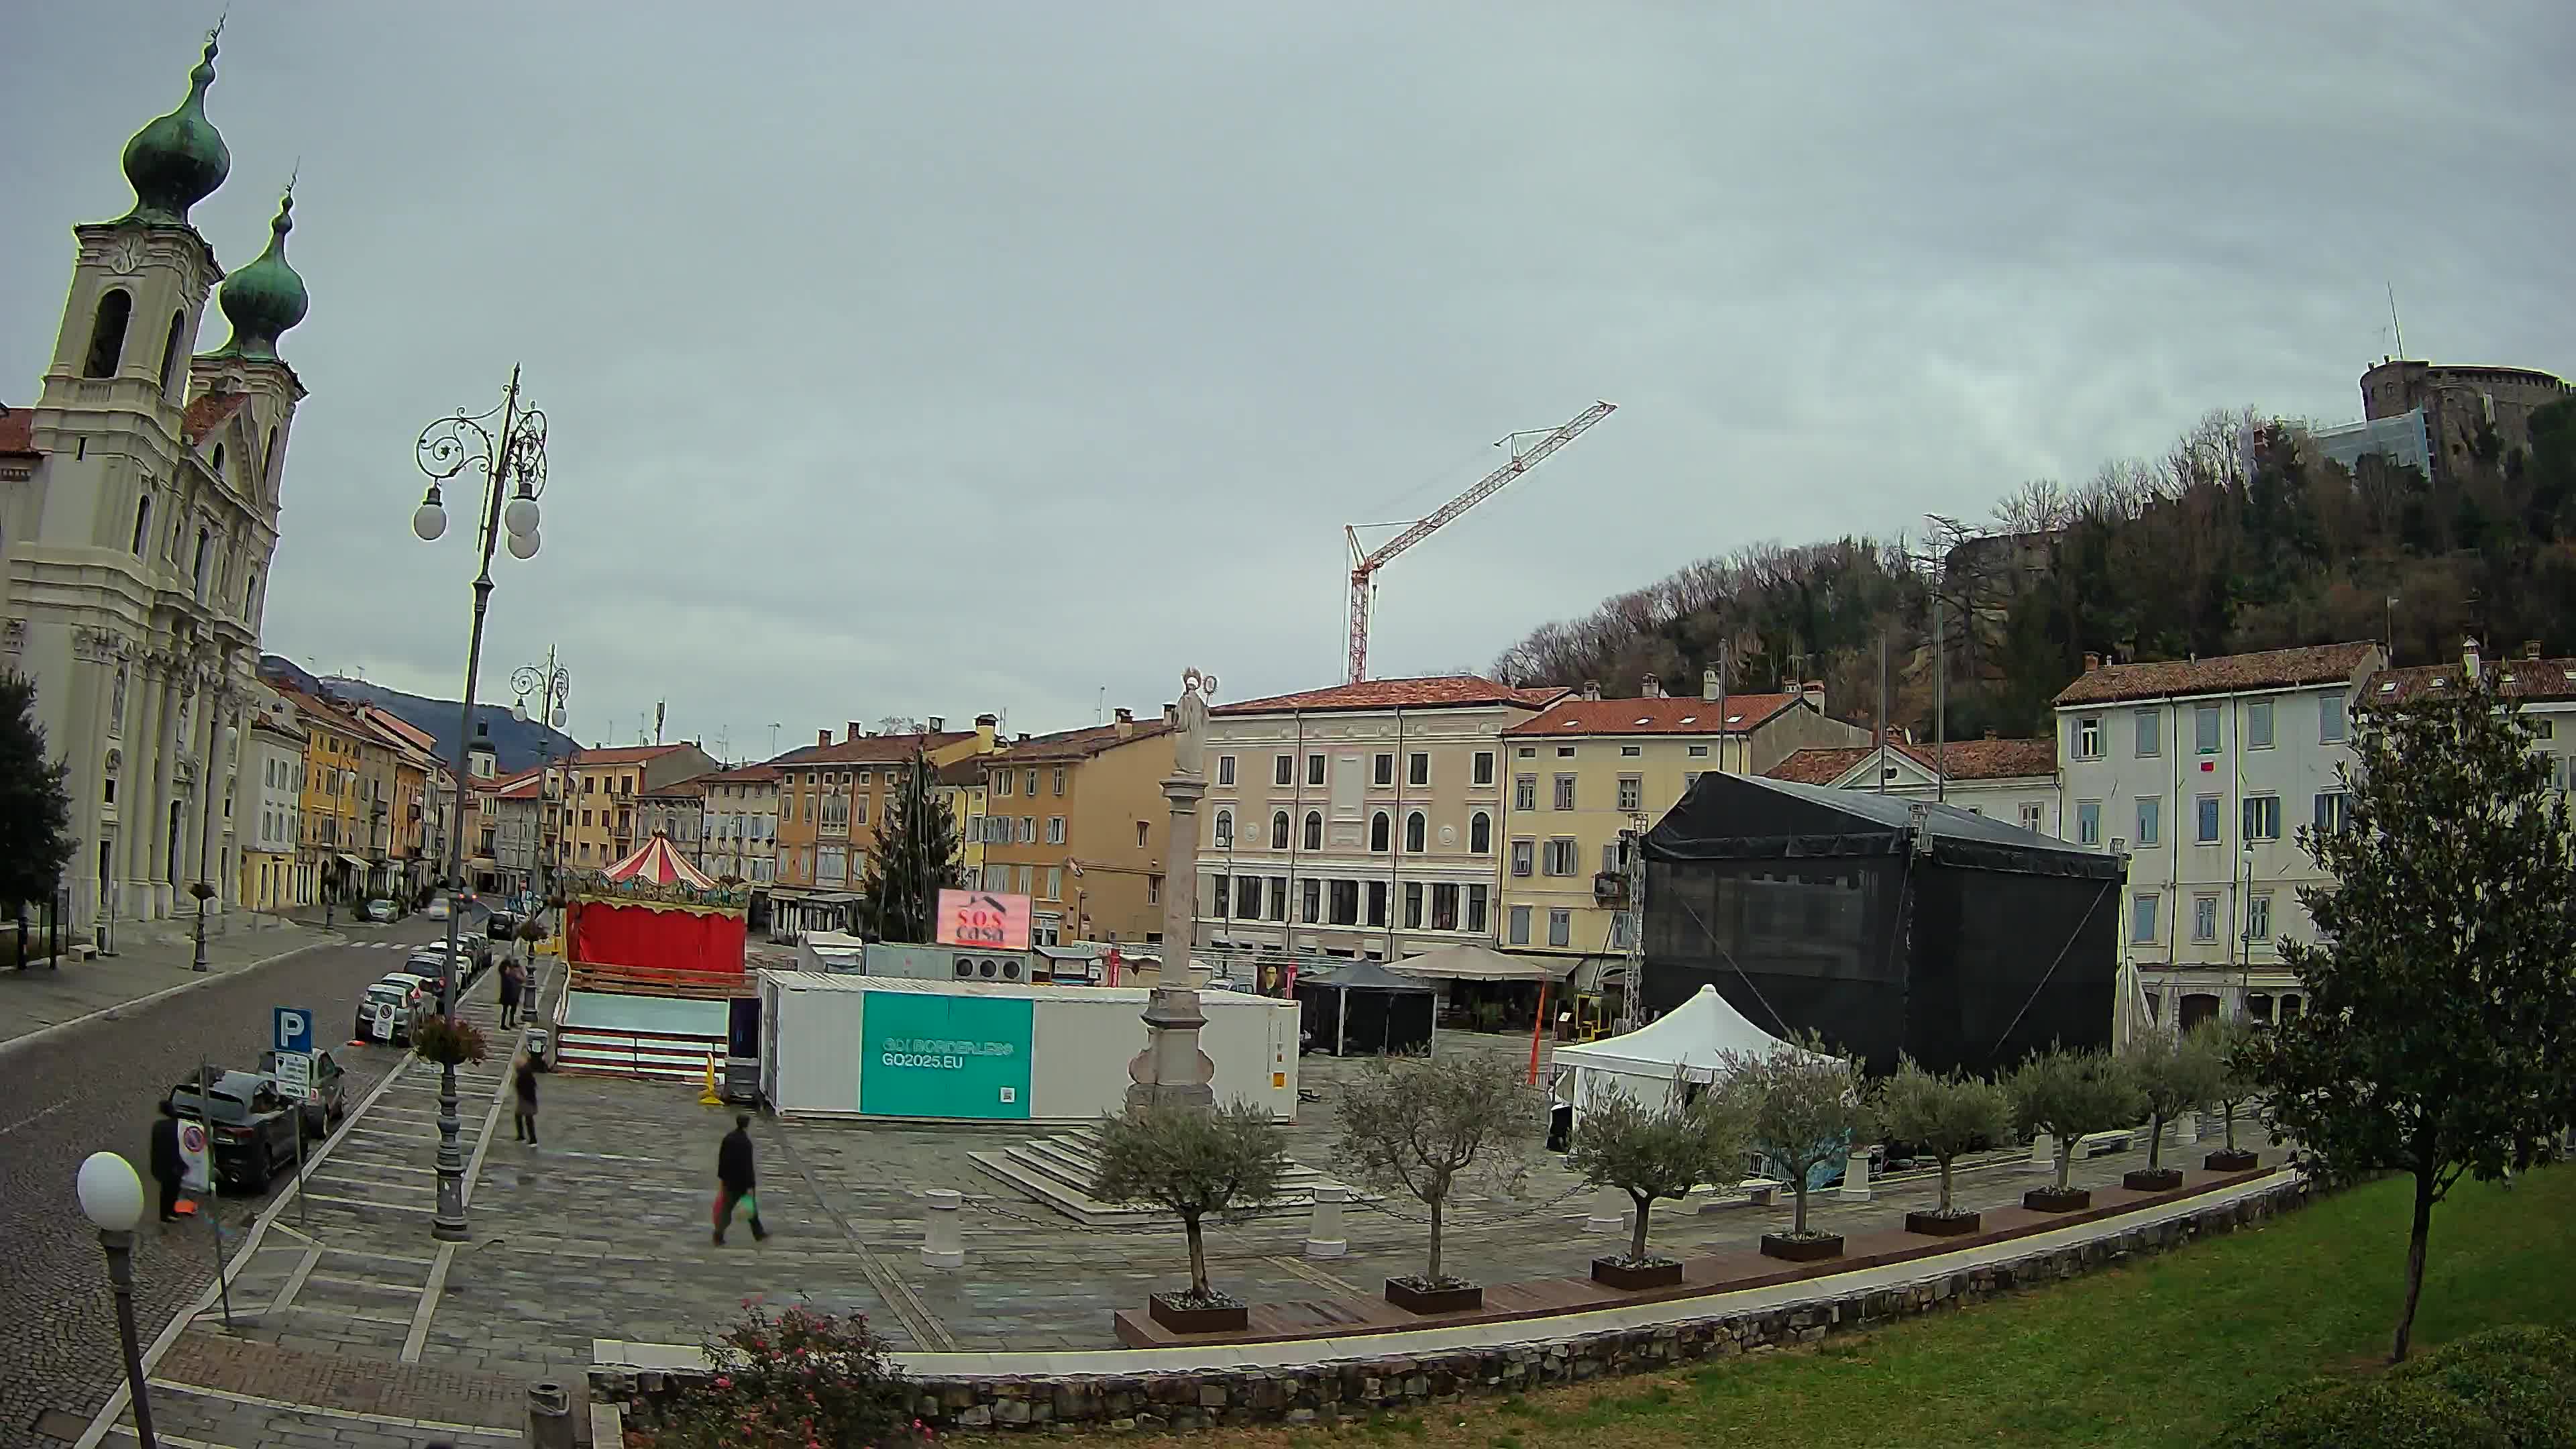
1023	739
2092	661
1708	689
1126	719
2469	659
2530	648
1814	692
822	737
855	731
1652	688
939	724
986	726
1592	689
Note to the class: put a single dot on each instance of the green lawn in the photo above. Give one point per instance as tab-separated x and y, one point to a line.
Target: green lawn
2165	1352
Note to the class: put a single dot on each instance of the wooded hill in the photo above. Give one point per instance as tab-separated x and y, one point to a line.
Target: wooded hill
2240	537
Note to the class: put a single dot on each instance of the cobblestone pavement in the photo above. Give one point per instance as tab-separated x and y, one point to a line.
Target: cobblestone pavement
94	1086
602	1232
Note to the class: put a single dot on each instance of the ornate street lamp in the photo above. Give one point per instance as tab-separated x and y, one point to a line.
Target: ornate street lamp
513	465
111	1197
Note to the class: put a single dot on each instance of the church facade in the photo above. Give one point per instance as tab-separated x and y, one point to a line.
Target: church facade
138	516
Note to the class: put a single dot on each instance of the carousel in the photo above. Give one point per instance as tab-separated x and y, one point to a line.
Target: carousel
654	952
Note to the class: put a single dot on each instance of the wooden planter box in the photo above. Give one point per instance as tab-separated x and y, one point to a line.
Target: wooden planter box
1801	1250
1661	1273
2159	1179
1181	1318
2050	1200
1462	1298
1934	1225
2239	1160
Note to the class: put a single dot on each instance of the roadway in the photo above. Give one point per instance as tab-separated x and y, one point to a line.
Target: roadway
98	1085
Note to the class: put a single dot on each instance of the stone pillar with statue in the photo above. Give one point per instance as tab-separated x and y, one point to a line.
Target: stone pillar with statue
1172	1071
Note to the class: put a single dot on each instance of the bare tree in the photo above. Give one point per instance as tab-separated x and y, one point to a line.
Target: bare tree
1194	1165
1424	1125
1806	1107
1651	1153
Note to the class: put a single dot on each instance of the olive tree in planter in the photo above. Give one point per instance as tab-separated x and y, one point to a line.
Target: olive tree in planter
1652	1153
1804	1106
1423	1126
2174	1074
2232	1044
1943	1117
2069	1094
1194	1165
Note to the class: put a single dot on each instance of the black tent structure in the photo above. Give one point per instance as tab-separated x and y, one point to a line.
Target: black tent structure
1887	925
1362	1009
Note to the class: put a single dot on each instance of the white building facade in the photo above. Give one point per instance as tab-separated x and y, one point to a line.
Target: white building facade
1344	822
2202	773
741	825
138	514
269	809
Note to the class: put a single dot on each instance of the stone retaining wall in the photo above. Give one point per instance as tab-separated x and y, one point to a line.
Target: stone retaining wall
1353	1387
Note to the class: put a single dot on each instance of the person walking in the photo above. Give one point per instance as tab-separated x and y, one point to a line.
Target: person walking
514	988
523	1116
169	1165
735	1183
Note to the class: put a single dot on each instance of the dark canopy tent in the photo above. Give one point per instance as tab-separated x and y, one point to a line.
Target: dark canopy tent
1888	925
1363	1009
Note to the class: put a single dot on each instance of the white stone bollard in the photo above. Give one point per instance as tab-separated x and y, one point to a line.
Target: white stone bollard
1324	1235
2043	1152
941	1247
1609	1213
2187	1129
1855	1186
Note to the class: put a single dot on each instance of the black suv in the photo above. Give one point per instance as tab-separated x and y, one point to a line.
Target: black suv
252	1125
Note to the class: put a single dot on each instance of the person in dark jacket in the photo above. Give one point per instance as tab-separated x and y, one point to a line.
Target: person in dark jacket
168	1165
523	1117
735	1180
511	984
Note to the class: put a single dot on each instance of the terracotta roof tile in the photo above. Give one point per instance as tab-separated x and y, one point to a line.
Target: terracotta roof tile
1666	716
1445	691
1079	744
17	432
746	775
622	754
1968	760
1820	766
871	749
968	771
2527	679
2227	674
208	412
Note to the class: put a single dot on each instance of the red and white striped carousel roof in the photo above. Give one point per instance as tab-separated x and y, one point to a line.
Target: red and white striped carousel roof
657	862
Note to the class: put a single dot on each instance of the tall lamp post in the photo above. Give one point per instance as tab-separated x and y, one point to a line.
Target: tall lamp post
111	1197
513	465
551	683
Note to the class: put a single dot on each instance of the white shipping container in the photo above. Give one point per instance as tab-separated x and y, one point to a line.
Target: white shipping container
864	1046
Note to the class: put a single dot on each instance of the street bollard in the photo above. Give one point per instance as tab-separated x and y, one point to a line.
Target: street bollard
549	1415
1609	1213
2187	1129
941	1247
1855	1186
2043	1152
1324	1238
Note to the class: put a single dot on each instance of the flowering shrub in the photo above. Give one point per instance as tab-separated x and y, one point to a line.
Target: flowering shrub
449	1040
798	1379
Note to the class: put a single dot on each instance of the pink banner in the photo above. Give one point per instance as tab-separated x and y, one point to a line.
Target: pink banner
984	919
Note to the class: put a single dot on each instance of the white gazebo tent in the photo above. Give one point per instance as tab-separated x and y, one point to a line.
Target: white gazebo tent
1679	1049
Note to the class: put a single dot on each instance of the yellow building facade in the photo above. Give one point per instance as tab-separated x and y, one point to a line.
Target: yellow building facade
1077	822
332	842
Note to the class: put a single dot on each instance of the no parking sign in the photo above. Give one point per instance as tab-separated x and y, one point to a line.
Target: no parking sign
192	1156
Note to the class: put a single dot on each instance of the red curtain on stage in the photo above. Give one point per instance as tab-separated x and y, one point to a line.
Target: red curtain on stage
634	936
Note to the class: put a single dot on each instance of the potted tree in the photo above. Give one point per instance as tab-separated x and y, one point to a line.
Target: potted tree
1805	1107
1652	1153
1943	1117
1193	1165
2068	1094
2232	1044
1422	1126
2174	1075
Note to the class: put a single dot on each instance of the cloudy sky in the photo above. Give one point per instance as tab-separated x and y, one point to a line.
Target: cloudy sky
930	359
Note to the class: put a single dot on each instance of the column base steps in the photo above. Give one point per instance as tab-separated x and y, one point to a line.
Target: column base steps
1057	1171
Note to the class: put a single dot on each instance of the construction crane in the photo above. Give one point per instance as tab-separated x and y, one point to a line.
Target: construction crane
1366	562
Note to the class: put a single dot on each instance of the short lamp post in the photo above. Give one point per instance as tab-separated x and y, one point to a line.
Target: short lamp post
204	893
513	464
111	1197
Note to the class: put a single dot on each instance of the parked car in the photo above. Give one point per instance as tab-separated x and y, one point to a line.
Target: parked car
330	1090
501	925
395	1002
253	1126
381	910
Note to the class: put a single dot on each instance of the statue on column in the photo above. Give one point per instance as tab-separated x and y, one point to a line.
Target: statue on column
1189	743
1172	1071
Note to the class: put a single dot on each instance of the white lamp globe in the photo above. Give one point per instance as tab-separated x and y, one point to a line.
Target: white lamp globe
111	1196
519	711
521	515
561	717
523	545
428	521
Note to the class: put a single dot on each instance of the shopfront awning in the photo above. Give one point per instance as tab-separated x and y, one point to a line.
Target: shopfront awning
1474	963
355	862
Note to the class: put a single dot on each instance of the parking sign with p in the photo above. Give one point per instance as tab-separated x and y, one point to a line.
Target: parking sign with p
293	1029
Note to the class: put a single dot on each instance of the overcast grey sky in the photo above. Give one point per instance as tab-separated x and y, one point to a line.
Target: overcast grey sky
931	359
